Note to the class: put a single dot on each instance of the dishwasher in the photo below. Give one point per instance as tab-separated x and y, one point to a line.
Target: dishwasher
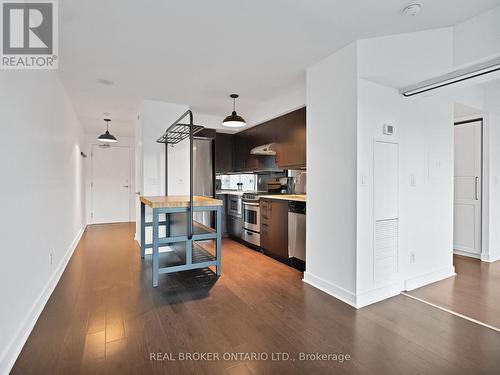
297	233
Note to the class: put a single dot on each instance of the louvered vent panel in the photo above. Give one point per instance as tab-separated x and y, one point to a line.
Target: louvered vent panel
386	248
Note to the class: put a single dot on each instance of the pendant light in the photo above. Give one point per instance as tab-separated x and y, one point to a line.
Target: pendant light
107	137
233	120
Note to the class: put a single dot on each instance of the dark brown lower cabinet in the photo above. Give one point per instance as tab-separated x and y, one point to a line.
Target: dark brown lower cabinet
274	227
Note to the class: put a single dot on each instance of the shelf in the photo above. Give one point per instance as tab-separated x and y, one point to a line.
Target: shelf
175	260
178	228
177	133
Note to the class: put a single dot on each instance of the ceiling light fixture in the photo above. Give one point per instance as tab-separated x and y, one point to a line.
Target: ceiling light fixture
412	10
107	137
474	71
233	120
103	81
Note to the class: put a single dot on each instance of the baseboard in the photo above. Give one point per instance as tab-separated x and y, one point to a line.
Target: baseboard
331	289
13	350
378	294
490	258
429	278
466	254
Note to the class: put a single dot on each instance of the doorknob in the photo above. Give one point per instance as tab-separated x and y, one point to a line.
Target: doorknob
125	186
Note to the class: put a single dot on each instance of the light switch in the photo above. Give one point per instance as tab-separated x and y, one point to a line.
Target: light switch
363	180
413	181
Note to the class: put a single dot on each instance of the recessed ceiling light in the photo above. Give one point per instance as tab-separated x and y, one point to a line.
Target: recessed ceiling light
412	10
103	81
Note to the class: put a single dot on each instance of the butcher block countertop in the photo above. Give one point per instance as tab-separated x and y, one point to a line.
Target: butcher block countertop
173	201
286	197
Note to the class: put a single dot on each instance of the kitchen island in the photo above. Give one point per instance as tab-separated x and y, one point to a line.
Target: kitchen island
186	254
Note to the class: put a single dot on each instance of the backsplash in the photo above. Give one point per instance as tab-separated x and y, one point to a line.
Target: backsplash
249	181
230	181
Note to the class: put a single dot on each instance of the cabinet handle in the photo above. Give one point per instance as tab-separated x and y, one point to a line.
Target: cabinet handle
476	187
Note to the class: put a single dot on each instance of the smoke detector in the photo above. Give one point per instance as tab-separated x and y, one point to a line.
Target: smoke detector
412	10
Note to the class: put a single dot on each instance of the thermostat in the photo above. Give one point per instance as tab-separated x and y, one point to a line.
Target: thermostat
388	129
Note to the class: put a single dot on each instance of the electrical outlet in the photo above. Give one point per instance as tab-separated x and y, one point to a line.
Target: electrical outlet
51	259
412	257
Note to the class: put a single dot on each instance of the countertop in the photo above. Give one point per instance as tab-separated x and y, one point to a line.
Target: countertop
234	192
173	201
286	197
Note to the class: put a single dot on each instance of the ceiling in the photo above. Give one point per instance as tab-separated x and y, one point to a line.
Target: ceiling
198	52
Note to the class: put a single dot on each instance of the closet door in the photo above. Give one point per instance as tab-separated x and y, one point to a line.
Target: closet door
467	204
386	203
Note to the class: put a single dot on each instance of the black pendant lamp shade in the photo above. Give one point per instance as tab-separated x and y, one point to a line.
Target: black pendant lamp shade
107	137
233	120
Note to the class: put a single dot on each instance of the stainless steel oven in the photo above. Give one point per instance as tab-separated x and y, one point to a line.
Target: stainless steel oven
251	219
234	205
235	216
251	216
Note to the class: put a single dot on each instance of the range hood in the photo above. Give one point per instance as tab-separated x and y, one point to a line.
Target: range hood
267	149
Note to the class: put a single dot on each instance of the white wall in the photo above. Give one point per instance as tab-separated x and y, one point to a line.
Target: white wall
423	131
492	121
477	38
347	106
154	118
331	174
404	59
43	207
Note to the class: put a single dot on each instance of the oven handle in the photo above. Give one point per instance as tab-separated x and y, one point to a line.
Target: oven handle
251	204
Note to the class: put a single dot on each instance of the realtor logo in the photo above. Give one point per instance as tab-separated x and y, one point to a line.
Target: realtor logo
29	34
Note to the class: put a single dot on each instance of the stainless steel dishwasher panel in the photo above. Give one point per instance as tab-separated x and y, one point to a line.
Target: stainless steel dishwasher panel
297	235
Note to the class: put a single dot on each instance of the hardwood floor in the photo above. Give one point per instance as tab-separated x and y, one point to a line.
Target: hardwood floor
104	317
473	292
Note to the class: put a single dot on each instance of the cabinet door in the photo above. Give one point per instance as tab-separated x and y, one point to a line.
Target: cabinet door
240	152
223	153
274	228
291	151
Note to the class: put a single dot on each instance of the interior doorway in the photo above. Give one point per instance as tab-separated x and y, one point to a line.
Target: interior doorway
110	184
467	223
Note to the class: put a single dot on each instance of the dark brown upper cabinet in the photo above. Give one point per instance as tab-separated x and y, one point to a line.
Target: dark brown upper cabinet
287	131
224	153
291	146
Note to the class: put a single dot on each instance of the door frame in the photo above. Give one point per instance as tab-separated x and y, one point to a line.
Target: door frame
484	183
91	182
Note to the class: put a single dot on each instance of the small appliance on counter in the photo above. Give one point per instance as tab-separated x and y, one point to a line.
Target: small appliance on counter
296	181
277	185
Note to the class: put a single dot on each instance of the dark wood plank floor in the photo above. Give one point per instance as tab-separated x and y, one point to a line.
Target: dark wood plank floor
473	292
104	317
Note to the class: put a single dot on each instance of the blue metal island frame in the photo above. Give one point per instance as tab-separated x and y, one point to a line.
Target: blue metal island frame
186	254
181	234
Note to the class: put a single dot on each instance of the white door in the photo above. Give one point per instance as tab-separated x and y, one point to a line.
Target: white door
468	182
110	184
